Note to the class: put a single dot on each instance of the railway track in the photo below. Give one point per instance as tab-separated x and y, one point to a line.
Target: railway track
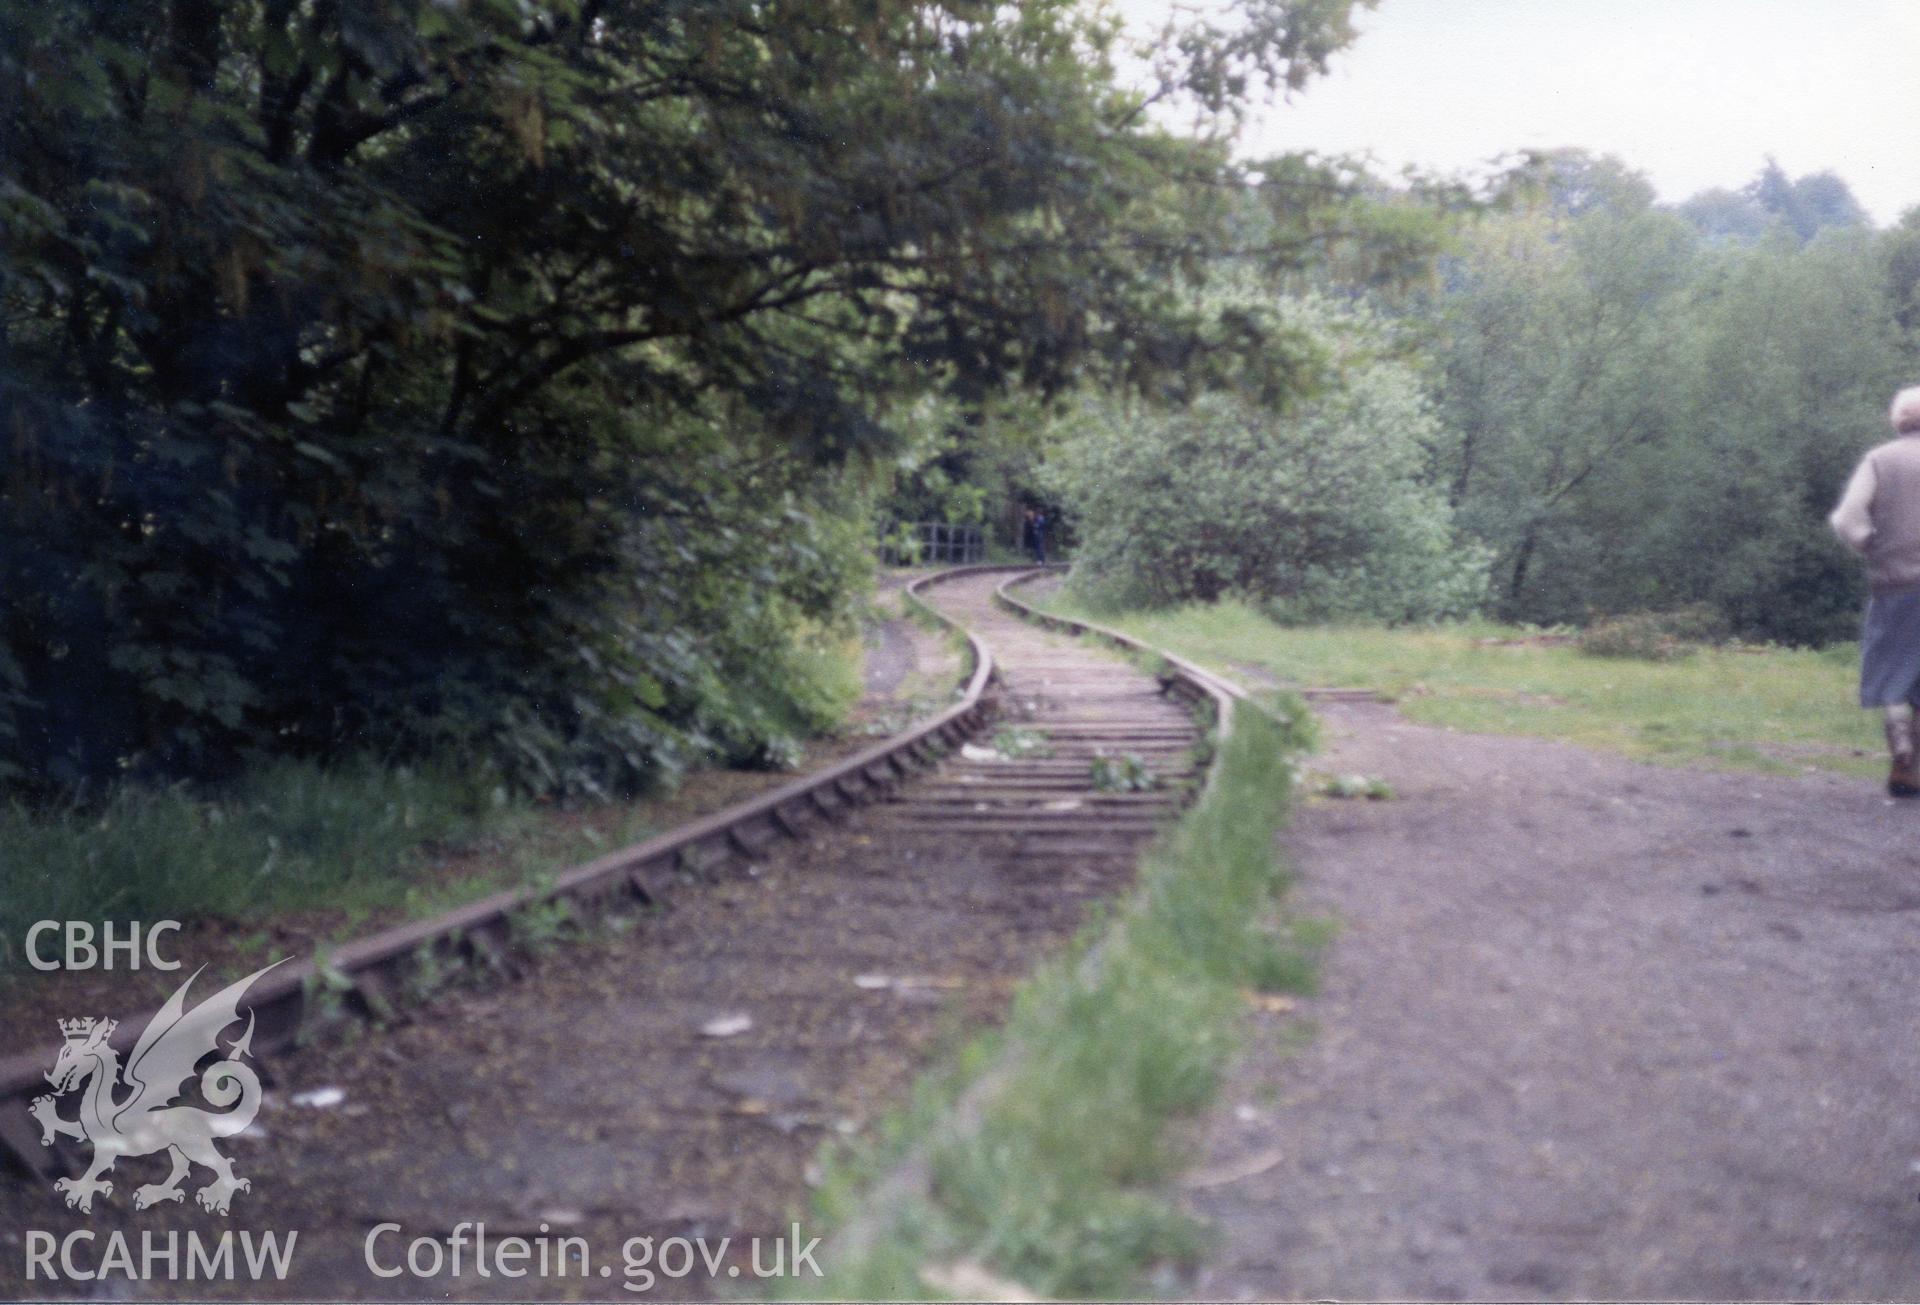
674	1072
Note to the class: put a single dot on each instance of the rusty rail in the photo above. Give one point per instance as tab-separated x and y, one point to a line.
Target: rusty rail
369	973
1184	679
911	1176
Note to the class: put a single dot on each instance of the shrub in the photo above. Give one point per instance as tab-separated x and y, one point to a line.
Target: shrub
1314	512
1654	636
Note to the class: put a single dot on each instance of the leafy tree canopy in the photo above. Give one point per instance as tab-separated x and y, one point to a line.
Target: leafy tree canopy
1639	416
389	372
1806	205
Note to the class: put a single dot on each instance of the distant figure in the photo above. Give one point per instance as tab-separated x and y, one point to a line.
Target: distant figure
1033	534
1879	518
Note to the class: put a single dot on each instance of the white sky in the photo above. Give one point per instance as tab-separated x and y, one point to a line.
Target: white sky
1693	93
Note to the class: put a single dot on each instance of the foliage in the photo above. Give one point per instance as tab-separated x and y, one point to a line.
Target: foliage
1900	248
1772	203
1357	786
292	835
1122	774
1726	215
1014	743
979	469
1806	205
1554	340
1318	508
540	926
1640	418
1654	636
400	376
1571	182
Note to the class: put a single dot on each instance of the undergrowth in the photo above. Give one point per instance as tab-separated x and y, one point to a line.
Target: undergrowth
1654	636
290	835
359	836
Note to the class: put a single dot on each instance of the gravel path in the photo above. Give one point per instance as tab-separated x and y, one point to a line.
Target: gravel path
1591	1029
890	656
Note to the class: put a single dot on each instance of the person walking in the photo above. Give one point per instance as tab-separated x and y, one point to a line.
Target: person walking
1040	536
1879	518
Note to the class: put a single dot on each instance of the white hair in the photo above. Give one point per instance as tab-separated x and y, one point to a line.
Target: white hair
1905	413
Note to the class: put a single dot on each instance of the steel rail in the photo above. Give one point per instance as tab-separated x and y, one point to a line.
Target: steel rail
1182	678
911	1176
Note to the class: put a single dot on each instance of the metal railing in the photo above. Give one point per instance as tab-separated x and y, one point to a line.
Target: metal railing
929	543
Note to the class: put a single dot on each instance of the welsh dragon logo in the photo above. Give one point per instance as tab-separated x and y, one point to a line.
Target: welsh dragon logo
145	1119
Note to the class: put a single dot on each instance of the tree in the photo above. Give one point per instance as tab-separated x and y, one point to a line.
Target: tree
1726	215
1554	342
1807	205
1902	252
1573	183
1787	360
1644	420
369	365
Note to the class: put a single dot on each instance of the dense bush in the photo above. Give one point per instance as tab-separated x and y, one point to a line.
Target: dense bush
1319	510
1654	636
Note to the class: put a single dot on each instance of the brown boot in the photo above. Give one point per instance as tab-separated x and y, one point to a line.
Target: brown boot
1903	778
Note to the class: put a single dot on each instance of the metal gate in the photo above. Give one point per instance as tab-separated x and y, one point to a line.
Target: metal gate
912	543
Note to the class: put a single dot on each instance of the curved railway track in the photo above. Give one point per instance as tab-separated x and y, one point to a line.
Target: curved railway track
675	1072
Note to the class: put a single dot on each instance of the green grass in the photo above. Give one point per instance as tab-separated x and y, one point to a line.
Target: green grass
1062	1186
349	841
1777	710
825	676
290	836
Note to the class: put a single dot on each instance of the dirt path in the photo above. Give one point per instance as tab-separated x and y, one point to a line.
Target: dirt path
905	663
1591	1029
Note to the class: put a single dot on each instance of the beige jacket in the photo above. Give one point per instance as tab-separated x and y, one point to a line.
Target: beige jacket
1879	514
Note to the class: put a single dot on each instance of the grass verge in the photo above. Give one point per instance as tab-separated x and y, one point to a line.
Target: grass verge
320	851
1768	709
309	846
293	835
1061	1185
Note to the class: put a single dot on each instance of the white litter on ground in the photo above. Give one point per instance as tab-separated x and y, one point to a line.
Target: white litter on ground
324	1098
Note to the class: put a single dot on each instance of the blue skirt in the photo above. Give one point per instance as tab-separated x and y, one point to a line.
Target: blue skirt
1890	649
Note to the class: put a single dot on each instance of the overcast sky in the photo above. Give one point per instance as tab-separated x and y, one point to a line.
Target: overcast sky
1693	93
